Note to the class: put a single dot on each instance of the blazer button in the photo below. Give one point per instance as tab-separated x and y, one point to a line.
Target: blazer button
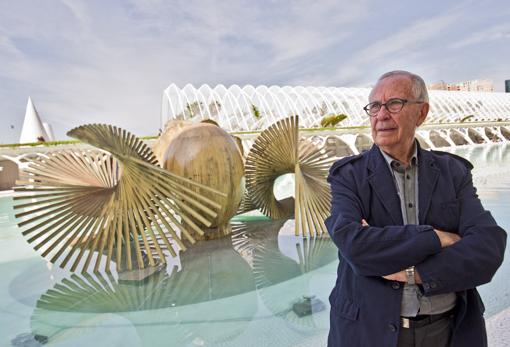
395	285
433	284
392	327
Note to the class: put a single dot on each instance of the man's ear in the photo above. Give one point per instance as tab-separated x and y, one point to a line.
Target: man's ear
423	114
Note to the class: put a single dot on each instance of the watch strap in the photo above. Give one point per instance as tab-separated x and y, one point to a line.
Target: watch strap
410	275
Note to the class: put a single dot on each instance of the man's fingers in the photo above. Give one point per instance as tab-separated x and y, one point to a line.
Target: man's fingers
364	223
446	238
397	276
455	237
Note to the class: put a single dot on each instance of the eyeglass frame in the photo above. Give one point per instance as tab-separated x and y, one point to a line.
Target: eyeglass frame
404	102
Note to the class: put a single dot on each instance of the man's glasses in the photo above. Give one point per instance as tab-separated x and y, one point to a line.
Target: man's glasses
392	105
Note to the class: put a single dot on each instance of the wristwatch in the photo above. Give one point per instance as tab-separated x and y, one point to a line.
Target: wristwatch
410	275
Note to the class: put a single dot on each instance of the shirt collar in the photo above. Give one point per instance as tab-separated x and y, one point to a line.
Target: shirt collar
394	164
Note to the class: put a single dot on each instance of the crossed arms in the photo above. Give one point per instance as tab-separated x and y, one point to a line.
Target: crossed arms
445	238
452	262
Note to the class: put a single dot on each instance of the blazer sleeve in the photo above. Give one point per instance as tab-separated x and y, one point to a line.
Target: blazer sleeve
474	259
373	251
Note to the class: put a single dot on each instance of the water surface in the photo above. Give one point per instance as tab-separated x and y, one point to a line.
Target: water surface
237	291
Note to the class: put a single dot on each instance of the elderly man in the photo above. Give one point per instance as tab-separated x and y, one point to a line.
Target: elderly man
414	240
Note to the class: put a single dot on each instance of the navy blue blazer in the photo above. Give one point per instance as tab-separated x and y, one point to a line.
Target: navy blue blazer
365	308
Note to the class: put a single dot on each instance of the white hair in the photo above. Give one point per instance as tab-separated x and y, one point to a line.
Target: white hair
418	87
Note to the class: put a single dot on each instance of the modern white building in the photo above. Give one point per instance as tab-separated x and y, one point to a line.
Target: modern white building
466	86
251	108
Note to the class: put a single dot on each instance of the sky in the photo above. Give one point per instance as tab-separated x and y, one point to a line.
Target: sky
96	61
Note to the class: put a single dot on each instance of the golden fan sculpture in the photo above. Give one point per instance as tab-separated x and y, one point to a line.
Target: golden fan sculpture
278	151
93	206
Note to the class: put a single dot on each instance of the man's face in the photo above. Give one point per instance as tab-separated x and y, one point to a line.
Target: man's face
394	132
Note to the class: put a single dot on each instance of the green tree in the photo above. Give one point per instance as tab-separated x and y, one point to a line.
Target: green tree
332	120
255	111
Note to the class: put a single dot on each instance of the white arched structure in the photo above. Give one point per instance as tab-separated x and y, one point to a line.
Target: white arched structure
455	118
254	108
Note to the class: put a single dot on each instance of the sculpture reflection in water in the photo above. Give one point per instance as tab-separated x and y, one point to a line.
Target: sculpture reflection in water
271	266
219	282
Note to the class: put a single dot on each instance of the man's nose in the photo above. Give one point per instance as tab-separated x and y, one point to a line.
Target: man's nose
383	113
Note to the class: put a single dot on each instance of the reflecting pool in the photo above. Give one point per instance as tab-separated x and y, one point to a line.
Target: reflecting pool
251	289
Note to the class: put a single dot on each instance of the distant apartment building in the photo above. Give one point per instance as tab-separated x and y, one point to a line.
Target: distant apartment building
467	86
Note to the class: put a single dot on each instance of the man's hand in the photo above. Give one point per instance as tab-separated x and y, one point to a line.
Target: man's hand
397	276
402	277
446	238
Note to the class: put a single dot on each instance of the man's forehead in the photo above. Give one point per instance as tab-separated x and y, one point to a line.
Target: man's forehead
401	85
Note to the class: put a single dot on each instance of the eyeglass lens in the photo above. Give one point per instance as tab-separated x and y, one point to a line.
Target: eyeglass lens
393	105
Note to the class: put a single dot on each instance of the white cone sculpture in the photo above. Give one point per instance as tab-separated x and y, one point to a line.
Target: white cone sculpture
49	131
33	129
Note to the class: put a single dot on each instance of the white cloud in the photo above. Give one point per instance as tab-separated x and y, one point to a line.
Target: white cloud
111	64
499	32
394	51
85	61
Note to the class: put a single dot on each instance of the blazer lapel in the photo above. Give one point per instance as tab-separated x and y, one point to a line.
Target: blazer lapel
381	181
428	174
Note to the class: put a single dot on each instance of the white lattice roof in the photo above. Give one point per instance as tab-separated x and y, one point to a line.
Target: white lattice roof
236	108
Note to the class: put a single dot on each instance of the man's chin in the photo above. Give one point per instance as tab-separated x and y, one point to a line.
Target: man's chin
384	141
